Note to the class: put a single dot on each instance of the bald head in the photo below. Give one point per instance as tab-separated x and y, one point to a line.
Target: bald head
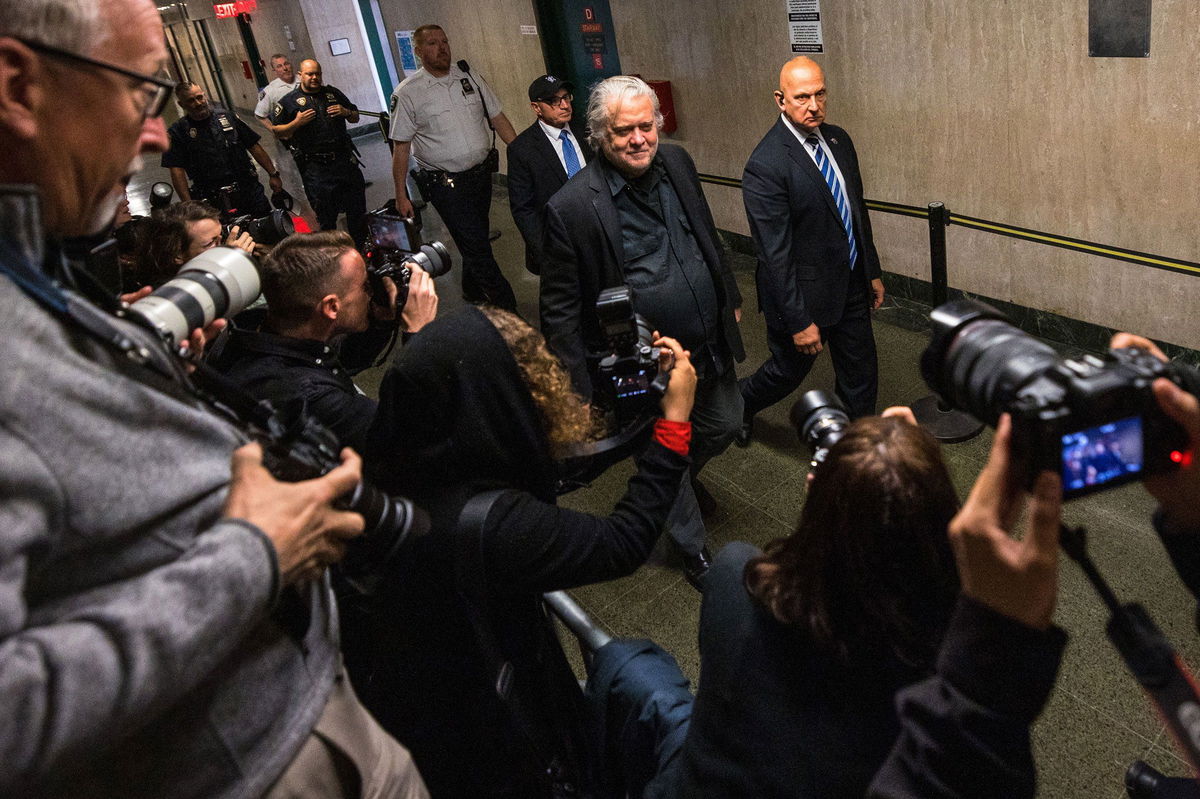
310	75
801	94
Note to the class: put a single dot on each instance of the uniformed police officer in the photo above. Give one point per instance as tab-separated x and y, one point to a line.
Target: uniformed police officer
313	120
445	117
285	82
210	146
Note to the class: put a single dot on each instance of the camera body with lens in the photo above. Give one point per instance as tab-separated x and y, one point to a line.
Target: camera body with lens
297	447
267	230
820	420
220	282
1091	419
394	248
630	380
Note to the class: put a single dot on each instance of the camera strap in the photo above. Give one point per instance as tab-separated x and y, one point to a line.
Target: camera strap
487	117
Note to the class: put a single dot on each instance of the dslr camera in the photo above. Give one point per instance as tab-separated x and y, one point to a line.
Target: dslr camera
268	230
394	248
1092	419
220	282
630	382
297	447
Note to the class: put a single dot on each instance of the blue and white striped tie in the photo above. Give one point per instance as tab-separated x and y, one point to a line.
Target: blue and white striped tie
835	188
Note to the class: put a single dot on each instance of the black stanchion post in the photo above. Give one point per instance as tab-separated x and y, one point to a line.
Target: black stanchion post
939	218
945	423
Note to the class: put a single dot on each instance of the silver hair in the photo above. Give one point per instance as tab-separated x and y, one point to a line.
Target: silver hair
76	26
613	92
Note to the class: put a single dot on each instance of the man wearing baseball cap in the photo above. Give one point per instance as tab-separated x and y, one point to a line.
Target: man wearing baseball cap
541	159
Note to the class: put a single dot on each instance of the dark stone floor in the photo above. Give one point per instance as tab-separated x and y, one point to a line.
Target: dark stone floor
1097	722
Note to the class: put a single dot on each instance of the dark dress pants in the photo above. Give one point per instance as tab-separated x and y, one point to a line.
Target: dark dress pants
716	419
337	186
465	208
850	343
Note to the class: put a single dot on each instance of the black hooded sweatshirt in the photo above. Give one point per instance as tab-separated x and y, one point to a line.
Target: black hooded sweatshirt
455	419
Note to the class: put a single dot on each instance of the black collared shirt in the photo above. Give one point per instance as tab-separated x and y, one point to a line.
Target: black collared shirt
282	369
670	282
325	134
213	151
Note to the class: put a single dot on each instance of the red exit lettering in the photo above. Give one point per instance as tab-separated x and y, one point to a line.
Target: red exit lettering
229	10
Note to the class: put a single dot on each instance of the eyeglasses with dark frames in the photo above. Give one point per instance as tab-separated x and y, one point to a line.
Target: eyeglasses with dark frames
559	100
158	90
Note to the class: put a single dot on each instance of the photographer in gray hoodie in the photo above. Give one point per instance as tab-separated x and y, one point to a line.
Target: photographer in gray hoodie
166	626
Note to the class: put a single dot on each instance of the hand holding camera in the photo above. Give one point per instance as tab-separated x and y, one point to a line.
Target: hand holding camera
1016	578
240	239
1177	491
299	518
1173	490
680	395
421	307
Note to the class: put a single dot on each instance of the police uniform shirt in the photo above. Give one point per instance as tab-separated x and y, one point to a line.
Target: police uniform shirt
325	134
212	151
271	94
444	119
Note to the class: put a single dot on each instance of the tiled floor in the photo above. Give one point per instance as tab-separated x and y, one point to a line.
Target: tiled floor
1097	721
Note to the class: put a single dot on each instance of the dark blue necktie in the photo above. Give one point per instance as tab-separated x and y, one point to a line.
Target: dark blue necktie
569	155
835	187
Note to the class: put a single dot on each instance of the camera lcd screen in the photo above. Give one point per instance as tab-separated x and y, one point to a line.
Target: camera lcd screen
631	385
1096	456
389	233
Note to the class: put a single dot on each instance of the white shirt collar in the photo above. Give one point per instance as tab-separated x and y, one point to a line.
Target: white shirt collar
799	134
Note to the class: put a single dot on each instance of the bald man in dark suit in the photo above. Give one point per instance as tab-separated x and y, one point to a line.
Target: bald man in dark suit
818	274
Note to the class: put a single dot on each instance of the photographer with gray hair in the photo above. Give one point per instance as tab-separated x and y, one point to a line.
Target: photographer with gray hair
166	625
637	216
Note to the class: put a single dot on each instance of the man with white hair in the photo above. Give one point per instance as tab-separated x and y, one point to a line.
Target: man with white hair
166	625
637	216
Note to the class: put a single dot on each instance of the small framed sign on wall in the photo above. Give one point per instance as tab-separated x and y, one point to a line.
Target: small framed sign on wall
339	46
1119	28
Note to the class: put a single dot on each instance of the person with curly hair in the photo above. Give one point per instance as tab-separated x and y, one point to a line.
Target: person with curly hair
455	654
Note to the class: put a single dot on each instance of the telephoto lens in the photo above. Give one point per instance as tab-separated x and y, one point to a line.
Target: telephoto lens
820	421
217	282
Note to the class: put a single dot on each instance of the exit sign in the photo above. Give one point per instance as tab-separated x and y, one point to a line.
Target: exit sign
228	10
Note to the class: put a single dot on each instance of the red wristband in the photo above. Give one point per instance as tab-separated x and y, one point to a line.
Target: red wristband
675	436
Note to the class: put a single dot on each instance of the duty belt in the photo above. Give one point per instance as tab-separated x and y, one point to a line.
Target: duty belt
327	157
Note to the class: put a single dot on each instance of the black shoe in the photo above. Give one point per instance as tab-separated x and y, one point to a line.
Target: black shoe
696	566
743	436
704	500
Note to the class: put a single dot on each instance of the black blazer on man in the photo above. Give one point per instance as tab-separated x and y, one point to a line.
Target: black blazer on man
584	254
803	274
534	174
